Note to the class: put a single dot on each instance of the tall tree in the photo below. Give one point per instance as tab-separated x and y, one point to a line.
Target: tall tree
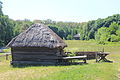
1	13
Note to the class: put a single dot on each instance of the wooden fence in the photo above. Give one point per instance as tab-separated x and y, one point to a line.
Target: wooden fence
6	55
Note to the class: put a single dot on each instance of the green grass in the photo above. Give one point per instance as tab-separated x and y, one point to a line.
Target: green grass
1	53
90	71
77	45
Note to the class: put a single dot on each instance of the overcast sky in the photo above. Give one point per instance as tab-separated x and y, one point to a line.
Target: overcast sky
61	10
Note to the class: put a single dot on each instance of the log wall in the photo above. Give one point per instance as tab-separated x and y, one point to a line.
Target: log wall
40	55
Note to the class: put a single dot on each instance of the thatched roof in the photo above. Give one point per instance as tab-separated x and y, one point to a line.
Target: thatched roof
77	35
38	35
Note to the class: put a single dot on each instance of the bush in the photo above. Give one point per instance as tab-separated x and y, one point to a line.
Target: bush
6	50
101	42
71	54
115	38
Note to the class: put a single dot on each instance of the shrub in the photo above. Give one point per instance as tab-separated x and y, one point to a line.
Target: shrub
71	54
6	50
115	38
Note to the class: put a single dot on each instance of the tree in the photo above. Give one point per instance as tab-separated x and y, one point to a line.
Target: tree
69	37
113	27
6	30
103	35
115	38
1	13
118	32
21	25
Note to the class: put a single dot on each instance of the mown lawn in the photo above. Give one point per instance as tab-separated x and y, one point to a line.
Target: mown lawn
90	71
1	53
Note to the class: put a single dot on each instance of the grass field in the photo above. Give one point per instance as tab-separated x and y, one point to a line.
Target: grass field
90	71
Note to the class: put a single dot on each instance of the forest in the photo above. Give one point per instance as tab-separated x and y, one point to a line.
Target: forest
101	30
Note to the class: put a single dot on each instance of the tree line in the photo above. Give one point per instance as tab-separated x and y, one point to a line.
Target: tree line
101	30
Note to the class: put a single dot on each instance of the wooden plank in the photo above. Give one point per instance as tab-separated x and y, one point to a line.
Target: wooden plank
75	57
85	52
34	50
34	53
39	60
38	55
37	49
5	55
20	57
107	53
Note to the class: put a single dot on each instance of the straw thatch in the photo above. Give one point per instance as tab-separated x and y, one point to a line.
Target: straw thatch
76	37
38	35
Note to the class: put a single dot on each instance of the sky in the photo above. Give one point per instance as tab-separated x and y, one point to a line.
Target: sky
61	10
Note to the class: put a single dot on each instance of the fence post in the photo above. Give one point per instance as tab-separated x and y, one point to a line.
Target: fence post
96	56
103	50
6	56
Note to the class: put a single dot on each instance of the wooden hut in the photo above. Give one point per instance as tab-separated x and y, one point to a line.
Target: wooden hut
37	45
76	37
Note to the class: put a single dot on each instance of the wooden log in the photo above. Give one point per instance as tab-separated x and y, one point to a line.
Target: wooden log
32	63
33	57
90	54
25	49
75	57
34	53
6	56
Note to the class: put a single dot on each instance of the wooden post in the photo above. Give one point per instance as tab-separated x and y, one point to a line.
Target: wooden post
84	60
6	56
103	50
96	57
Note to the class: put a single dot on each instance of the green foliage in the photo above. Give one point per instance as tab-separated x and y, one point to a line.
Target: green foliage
71	54
21	25
87	30
103	35
111	33
1	13
6	30
118	31
113	27
115	38
69	37
7	50
64	29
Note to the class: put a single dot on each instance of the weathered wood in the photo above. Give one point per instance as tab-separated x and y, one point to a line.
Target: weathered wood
75	57
33	49
65	59
54	51
96	57
34	53
102	56
31	63
6	55
20	57
90	54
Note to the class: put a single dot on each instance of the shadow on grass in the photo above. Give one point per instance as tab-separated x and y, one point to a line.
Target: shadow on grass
107	61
